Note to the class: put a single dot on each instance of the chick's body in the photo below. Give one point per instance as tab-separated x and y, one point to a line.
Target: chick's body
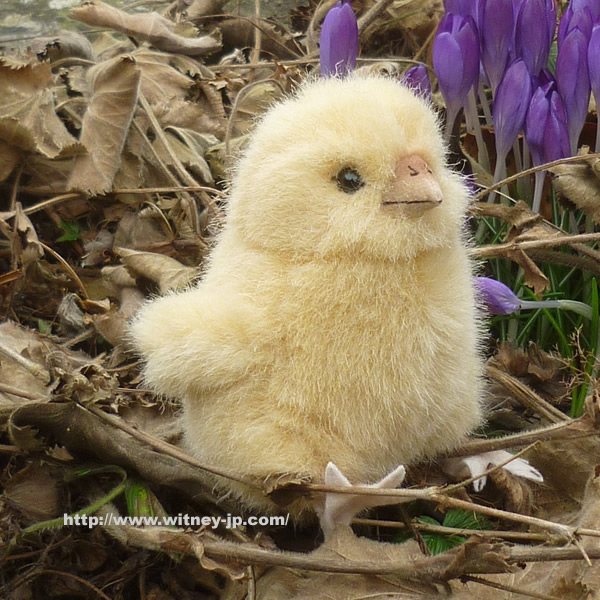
329	325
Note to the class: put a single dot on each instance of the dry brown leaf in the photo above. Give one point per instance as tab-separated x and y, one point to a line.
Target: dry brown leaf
106	123
81	431
28	249
161	82
189	147
27	113
141	230
567	580
195	9
34	492
239	33
519	215
532	274
148	27
10	159
580	183
167	272
253	103
65	44
516	492
169	82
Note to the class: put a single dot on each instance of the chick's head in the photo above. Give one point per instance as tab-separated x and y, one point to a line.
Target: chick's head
353	167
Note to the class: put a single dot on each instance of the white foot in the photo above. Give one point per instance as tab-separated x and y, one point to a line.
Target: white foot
471	466
341	508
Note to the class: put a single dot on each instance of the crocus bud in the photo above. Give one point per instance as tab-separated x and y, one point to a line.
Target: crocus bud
456	60
510	106
592	5
572	77
339	41
546	130
551	19
594	69
417	78
498	298
532	41
581	19
594	62
495	20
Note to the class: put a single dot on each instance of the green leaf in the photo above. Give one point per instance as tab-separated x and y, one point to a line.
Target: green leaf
551	65
138	500
441	543
44	326
72	231
465	519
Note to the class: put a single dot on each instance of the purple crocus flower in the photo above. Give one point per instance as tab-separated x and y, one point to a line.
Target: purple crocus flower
498	298
592	5
339	41
456	60
510	106
551	19
495	20
532	42
581	19
572	76
594	70
417	78
546	130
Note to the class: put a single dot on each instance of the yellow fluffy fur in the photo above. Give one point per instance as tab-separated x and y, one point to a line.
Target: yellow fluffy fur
325	329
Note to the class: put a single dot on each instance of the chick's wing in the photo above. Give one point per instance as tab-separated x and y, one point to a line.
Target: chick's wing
198	340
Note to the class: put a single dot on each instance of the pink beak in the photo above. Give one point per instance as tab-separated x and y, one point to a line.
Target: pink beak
414	190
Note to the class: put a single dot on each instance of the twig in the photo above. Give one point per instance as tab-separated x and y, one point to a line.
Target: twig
240	95
531	171
13	391
372	14
451	488
432	568
257	35
80	580
32	367
68	268
507	588
526	395
164	447
15	190
181	170
443	530
559	240
564	430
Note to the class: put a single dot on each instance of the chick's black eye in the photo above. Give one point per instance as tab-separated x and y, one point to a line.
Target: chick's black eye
349	180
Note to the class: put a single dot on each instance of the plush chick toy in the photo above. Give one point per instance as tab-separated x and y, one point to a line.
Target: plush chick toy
335	333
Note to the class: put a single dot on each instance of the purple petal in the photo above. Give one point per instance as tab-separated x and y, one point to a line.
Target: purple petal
592	5
496	26
535	123
339	41
546	129
510	106
551	19
573	80
532	42
581	19
556	133
417	78
594	62
497	297
448	66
